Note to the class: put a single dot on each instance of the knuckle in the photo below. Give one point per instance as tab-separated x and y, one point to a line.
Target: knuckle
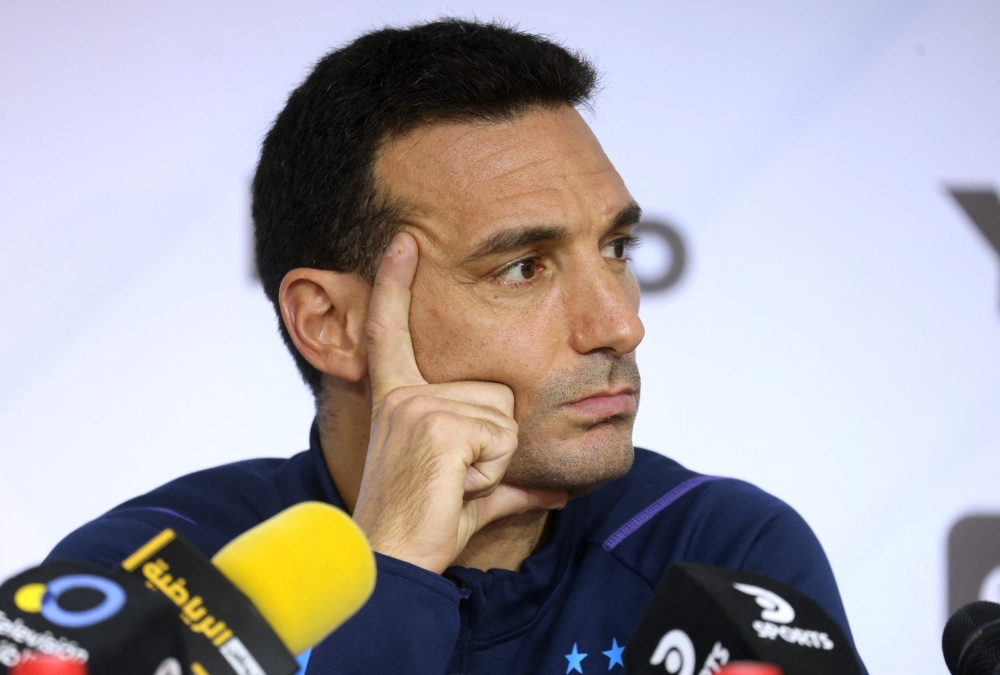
413	404
395	398
509	439
407	397
505	426
504	396
437	423
499	435
510	424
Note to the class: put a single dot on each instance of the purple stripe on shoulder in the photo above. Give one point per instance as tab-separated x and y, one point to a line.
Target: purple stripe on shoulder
647	513
169	512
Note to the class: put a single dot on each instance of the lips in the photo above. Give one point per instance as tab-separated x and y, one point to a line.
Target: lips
603	406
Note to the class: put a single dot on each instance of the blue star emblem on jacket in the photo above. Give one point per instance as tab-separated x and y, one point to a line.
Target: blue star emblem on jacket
574	659
614	654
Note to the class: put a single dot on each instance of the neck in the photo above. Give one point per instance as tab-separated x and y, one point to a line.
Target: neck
344	419
505	543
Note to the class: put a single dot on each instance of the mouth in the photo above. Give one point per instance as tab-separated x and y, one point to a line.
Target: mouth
604	404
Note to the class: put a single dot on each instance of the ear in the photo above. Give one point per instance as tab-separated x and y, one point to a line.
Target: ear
325	314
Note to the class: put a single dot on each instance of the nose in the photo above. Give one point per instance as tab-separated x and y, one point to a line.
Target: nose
604	311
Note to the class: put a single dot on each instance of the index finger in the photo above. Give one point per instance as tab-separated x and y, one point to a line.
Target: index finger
391	363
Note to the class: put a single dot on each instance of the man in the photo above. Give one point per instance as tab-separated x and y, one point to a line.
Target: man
446	243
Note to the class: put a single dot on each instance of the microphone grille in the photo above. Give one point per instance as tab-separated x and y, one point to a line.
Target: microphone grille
971	639
306	570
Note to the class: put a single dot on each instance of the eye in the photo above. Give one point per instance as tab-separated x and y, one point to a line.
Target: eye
619	248
522	270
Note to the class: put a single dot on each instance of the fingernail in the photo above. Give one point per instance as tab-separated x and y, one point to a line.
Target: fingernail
395	248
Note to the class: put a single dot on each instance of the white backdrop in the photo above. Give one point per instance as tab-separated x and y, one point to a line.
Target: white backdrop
835	339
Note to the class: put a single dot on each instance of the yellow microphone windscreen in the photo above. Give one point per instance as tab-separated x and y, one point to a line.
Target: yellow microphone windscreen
307	570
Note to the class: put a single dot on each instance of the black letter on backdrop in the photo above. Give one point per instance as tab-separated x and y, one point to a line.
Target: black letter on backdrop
982	206
676	261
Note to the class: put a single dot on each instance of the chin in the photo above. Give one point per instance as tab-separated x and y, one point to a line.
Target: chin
599	455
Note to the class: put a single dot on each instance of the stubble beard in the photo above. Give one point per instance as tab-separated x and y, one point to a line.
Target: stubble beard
556	452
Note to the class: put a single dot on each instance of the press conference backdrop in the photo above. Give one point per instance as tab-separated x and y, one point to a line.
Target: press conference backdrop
822	287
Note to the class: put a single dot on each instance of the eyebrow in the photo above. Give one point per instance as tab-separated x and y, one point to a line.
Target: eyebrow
506	241
627	217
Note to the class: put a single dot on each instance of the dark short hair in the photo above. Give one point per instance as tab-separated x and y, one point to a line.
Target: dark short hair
315	201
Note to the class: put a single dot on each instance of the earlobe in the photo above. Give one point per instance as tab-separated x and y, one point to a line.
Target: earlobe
325	313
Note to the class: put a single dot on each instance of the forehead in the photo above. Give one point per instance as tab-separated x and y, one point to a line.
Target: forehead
545	168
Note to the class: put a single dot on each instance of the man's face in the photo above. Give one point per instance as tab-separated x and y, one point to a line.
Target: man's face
523	229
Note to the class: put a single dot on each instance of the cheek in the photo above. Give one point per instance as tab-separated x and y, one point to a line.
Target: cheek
630	286
449	345
464	339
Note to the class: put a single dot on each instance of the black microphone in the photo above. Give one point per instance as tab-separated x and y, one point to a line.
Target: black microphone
703	617
971	640
105	620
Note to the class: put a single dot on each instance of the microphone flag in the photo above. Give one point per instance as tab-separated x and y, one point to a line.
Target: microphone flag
224	634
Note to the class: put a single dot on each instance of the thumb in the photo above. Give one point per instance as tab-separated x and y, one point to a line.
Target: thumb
391	363
509	500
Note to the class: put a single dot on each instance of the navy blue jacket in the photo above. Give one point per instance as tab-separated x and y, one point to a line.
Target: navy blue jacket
582	593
